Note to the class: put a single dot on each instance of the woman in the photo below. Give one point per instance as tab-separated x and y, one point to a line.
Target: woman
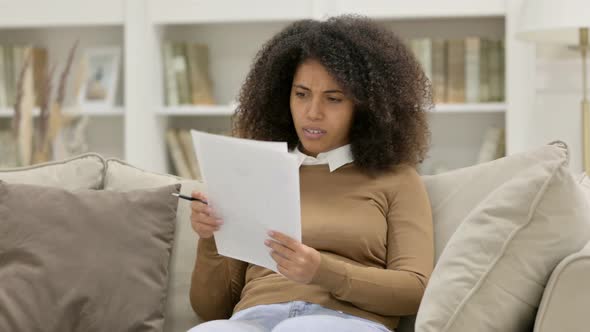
351	100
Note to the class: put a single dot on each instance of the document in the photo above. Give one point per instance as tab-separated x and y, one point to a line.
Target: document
253	187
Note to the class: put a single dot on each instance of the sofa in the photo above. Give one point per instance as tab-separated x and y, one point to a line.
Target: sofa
550	293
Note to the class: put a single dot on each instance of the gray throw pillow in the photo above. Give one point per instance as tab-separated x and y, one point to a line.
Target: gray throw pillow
84	260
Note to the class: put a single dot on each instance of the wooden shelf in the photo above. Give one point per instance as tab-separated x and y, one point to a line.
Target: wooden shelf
228	110
198	110
34	13
418	9
469	108
94	112
226	11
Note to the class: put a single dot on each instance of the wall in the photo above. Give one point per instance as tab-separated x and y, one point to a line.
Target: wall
557	97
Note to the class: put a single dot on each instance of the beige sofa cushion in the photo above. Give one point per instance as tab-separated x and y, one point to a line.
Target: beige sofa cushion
82	172
453	195
492	272
567	296
84	260
121	176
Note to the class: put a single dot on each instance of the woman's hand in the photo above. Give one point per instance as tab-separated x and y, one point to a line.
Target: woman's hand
295	260
202	218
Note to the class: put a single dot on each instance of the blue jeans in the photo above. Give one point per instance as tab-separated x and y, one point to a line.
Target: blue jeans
296	316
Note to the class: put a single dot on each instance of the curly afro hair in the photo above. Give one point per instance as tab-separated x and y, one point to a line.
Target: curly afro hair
390	91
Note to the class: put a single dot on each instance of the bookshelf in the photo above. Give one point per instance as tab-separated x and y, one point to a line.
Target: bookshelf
234	31
48	28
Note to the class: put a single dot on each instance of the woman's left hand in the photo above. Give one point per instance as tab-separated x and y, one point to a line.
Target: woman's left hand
295	260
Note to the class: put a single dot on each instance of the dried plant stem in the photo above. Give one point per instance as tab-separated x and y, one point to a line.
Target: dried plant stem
25	104
64	75
54	119
50	117
16	119
44	99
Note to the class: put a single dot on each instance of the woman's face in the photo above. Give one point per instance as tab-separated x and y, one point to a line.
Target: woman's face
322	114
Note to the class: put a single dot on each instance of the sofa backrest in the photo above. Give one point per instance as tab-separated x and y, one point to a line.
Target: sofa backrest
455	194
120	176
82	172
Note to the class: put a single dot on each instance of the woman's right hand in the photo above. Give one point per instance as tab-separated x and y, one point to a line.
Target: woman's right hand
202	217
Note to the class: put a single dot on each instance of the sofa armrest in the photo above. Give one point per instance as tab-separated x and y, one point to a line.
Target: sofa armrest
566	299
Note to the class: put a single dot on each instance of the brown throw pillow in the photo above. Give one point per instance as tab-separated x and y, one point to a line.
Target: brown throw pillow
84	260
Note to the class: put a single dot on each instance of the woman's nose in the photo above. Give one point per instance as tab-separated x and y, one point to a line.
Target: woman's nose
315	112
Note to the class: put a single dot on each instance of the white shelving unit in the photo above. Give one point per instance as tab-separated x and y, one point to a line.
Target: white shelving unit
234	30
53	25
59	13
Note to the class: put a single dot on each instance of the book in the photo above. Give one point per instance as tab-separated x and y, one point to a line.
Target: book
181	73
169	75
439	70
456	71
494	68
422	49
12	60
186	143
472	58
178	160
198	69
484	71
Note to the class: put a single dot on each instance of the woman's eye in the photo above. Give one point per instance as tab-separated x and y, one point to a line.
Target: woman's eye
300	94
334	100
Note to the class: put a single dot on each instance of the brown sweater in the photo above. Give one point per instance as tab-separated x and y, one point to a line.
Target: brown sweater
376	244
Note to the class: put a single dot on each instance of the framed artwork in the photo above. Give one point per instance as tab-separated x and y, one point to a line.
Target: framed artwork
101	77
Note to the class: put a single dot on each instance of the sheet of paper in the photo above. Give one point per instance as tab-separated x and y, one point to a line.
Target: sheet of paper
253	187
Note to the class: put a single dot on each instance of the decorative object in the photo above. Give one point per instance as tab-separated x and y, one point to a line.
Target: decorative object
565	21
102	68
71	140
34	143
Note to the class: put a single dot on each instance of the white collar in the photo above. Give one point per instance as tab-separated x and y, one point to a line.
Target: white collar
334	158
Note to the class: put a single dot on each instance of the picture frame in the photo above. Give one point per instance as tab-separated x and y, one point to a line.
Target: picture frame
101	68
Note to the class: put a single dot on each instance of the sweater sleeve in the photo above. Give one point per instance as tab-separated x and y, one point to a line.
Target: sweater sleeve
397	289
216	283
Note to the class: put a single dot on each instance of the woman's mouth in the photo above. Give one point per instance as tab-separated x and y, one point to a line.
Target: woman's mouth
313	133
